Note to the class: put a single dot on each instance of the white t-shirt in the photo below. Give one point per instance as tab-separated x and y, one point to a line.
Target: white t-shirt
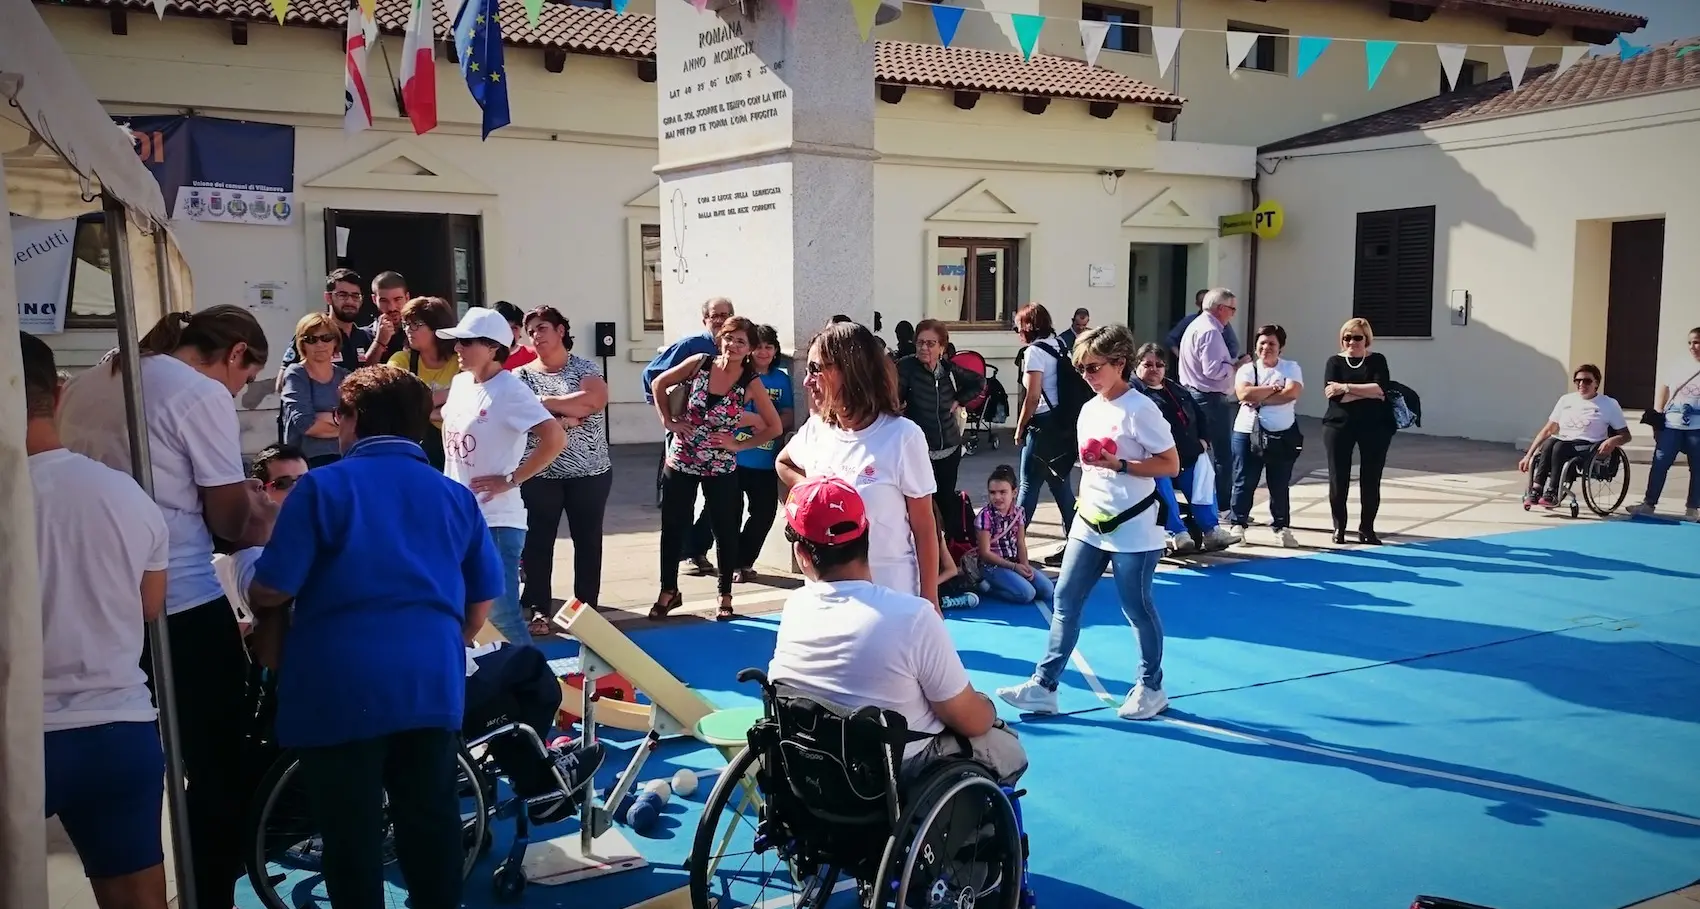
1140	431
1045	365
888	464
1582	419
1275	417
96	533
1682	410
484	432
194	443
857	644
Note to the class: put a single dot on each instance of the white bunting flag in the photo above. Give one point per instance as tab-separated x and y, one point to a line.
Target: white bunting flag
1239	47
1516	62
1452	62
1092	35
159	7
1568	57
357	102
1164	41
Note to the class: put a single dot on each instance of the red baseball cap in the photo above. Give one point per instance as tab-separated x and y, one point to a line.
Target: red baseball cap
826	511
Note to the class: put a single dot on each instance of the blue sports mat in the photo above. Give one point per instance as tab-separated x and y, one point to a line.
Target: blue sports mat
1520	667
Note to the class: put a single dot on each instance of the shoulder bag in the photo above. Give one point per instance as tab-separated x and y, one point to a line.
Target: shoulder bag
1656	419
678	395
1282	446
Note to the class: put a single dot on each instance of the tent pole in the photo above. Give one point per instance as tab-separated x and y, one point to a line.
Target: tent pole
129	364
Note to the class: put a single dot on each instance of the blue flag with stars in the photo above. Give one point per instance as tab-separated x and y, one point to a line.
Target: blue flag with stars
478	44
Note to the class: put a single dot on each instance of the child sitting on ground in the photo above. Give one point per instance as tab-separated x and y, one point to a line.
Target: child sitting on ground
956	588
1004	568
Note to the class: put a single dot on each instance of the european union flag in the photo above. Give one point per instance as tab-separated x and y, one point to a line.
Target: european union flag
478	43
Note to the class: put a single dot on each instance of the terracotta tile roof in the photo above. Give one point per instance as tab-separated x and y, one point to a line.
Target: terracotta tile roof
601	32
1567	13
970	69
1601	77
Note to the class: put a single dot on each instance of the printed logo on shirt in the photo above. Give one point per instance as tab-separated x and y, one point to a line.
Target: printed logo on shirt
483	417
868	472
460	446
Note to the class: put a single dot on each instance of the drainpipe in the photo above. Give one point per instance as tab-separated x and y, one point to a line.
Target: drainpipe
1175	85
1251	269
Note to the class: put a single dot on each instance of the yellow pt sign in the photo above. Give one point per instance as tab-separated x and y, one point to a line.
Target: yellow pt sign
1265	221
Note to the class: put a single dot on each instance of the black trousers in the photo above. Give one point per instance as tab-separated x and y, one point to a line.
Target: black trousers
1554	456
725	508
215	726
760	490
584	500
1371	445
346	785
945	472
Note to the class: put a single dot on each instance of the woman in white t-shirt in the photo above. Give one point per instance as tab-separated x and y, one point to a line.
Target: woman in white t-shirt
1119	524
1579	421
856	434
192	367
1678	401
486	419
1266	388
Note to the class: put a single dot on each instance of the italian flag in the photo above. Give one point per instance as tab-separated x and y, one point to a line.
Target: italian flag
419	69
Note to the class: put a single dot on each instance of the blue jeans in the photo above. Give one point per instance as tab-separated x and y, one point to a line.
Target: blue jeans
1219	411
1036	473
1082	566
1006	584
1203	512
506	613
1671	443
1249	468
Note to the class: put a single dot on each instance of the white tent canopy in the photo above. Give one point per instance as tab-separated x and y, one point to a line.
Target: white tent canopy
62	156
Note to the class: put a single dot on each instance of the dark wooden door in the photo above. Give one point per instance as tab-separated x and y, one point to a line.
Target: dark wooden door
1632	310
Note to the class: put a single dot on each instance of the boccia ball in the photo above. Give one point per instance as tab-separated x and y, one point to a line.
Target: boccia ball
660	788
685	783
644	811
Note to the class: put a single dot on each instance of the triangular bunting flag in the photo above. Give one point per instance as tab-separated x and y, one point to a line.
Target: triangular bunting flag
700	4
1690	49
1516	62
1164	41
946	19
1376	55
279	9
865	11
620	7
1092	35
1627	51
1451	62
159	7
1568	57
1027	26
533	10
1310	48
369	11
787	8
1239	47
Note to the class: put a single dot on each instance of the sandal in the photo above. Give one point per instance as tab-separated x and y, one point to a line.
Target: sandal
540	626
725	613
666	603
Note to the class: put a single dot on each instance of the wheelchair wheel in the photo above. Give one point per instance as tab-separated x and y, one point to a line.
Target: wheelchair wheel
1605	482
732	863
958	844
287	856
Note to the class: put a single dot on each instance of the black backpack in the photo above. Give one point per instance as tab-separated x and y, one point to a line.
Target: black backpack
1059	444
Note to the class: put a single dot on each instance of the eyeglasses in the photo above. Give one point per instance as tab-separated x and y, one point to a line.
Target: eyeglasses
1347	339
318	339
348	296
283	484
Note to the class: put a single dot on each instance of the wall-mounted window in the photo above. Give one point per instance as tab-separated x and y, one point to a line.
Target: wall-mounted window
1393	275
1473	72
976	283
1124	35
1269	54
91	277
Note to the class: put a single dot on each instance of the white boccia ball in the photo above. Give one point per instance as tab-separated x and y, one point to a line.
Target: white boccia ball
660	788
685	783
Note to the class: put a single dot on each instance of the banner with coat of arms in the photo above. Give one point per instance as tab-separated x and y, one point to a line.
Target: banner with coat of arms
227	171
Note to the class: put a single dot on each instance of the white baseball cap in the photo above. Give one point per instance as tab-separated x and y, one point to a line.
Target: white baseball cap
481	323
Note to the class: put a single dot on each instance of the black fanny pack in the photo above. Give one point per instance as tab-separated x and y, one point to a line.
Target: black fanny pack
1110	525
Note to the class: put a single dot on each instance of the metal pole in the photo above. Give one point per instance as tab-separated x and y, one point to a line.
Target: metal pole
141	466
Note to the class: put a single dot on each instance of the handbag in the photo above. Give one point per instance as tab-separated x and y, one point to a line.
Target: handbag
678	394
1278	445
1656	419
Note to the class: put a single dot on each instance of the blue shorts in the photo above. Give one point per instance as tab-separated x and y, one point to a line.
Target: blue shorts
106	784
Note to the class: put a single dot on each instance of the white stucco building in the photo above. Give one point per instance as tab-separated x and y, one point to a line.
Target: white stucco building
1496	239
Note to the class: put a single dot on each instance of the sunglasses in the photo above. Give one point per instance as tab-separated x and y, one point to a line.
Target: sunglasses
283	484
816	368
1350	338
318	339
1091	369
1583	380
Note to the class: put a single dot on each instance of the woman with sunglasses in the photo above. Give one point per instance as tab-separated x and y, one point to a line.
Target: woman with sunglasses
1579	421
1127	445
309	390
1358	416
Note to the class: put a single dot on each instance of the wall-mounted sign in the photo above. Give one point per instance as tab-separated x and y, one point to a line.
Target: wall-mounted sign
1265	221
230	171
1100	275
41	258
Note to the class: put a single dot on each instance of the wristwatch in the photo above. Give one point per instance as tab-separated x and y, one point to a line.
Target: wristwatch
508	478
1122	466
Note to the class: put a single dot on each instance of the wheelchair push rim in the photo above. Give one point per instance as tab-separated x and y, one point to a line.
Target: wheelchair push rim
1605	496
712	883
952	884
300	860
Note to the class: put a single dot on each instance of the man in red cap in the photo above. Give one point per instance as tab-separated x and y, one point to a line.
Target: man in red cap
844	639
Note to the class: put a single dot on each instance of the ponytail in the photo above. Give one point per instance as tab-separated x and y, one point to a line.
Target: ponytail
211	332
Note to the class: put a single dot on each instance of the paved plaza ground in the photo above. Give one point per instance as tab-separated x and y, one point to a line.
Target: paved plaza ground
1434	489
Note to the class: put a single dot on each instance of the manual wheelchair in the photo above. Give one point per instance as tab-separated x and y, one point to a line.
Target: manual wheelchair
832	806
1604	479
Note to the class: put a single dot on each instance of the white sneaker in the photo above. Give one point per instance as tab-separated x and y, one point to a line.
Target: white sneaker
1030	697
1641	509
1691	515
1219	538
1180	543
1283	538
1143	703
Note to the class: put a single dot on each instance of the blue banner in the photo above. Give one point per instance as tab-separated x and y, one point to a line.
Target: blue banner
230	171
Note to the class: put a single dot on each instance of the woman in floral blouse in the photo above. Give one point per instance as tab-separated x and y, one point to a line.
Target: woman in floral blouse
702	450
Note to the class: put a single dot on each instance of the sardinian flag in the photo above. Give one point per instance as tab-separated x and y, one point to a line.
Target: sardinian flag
357	102
419	69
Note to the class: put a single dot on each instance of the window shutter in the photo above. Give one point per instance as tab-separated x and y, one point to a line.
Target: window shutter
1393	279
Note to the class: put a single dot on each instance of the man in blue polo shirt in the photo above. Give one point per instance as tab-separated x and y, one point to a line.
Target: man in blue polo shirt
391	571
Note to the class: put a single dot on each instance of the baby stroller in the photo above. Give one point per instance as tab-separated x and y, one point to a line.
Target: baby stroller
990	406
